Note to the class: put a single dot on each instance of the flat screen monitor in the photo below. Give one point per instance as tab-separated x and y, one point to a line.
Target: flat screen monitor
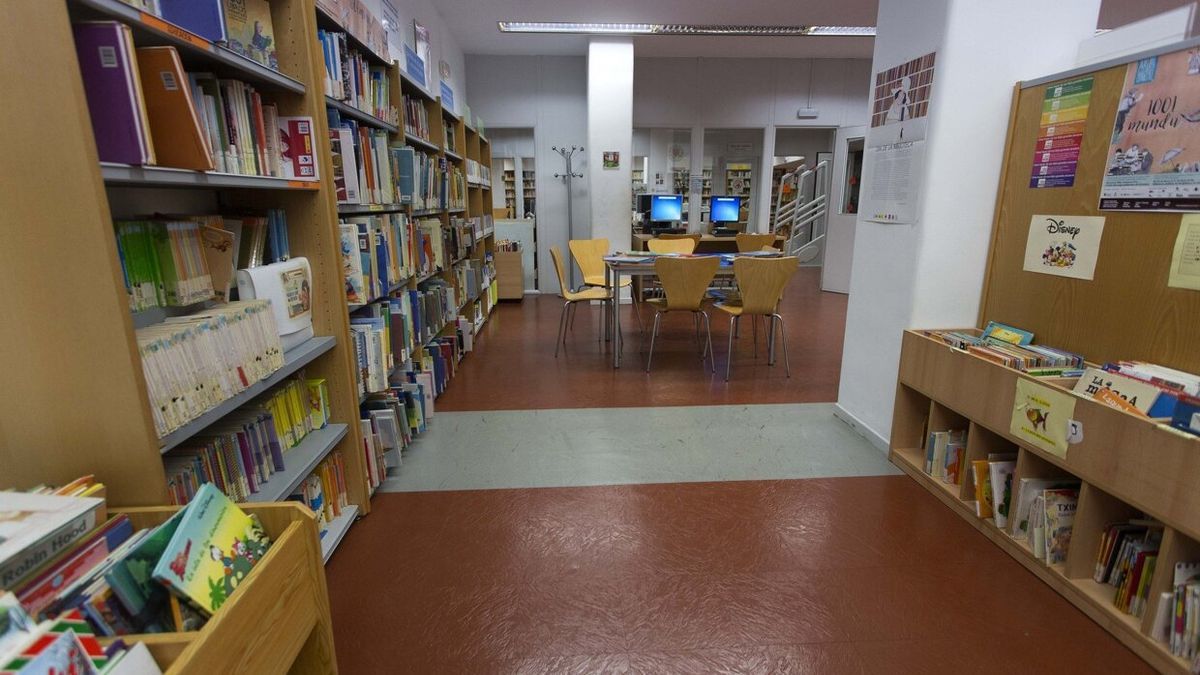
726	209
666	208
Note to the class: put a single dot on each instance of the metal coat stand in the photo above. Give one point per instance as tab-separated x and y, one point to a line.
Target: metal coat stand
568	155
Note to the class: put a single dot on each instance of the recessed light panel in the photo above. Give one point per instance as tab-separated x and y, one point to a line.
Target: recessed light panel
682	29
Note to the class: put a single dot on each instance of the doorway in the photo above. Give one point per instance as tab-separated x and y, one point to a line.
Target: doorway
515	196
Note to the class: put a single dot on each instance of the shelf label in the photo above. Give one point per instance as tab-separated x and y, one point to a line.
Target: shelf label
175	31
303	184
414	65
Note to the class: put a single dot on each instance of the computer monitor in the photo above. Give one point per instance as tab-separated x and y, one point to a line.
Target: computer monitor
725	209
666	208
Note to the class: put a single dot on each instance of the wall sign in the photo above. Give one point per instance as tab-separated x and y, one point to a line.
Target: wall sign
739	149
900	101
1064	246
1060	136
447	97
612	159
414	66
1185	260
1042	416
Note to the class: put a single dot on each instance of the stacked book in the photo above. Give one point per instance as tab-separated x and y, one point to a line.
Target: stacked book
1177	623
1013	348
163	263
366	170
350	78
324	490
378	253
1126	559
945	452
456	189
193	363
416	118
1044	513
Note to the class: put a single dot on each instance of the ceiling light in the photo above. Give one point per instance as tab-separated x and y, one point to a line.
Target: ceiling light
681	29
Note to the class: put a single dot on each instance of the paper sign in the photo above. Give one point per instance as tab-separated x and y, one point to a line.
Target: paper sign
1042	416
900	102
1185	260
1060	134
1065	246
447	97
891	194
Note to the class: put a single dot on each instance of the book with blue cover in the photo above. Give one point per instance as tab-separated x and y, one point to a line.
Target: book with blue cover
205	18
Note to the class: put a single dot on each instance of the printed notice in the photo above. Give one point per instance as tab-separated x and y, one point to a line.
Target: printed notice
1042	416
1060	133
895	177
1065	246
1185	261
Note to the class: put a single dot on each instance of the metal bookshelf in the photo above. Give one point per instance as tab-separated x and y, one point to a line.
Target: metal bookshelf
300	462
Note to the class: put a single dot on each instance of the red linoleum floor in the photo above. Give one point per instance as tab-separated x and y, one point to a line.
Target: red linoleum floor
850	575
515	369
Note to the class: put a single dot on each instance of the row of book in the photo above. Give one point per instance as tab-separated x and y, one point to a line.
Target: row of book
509	245
456	189
349	77
66	559
451	144
992	345
416	118
1125	560
193	363
145	109
1146	390
325	490
180	261
243	452
357	19
478	173
241	26
378	252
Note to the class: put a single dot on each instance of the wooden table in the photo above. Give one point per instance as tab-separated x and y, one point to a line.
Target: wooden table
707	244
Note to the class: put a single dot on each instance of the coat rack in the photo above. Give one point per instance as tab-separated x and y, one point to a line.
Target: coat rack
567	156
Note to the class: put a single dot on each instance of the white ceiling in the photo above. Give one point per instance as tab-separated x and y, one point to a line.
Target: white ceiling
473	23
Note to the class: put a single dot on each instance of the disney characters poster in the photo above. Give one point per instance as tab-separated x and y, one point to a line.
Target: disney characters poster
1154	155
1065	246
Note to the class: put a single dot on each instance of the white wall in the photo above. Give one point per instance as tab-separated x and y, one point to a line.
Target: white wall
930	274
442	43
549	95
803	142
610	128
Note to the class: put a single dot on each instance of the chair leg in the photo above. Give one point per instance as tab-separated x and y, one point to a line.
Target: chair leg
636	309
561	339
771	340
754	334
712	357
783	336
729	354
653	334
573	311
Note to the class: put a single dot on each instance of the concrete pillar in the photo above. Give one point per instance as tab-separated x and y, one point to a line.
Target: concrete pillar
610	129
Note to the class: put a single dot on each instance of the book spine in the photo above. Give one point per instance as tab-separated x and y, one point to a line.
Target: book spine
15	569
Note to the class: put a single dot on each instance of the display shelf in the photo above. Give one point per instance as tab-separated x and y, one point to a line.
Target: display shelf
300	462
293	360
360	115
452	155
336	531
409	83
329	22
195	52
392	289
161	176
419	142
366	209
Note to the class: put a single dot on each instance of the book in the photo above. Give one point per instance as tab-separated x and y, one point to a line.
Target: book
175	127
38	591
220	252
1027	490
983	488
212	551
113	87
1142	395
205	18
1000	475
297	149
1005	333
34	528
131	578
250	32
1060	505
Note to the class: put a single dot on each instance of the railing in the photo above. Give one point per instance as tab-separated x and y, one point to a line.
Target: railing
803	220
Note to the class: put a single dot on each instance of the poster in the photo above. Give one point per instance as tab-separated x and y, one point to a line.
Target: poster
1154	155
1185	260
891	195
1065	246
1042	416
900	102
612	159
1060	135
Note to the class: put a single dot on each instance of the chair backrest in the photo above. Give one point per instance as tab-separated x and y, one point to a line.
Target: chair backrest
556	255
753	242
761	281
589	255
687	245
686	280
687	235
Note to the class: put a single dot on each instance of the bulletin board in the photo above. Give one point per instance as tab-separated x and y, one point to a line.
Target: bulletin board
1127	311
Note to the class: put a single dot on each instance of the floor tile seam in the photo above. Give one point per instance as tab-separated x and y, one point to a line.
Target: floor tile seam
433	420
637	484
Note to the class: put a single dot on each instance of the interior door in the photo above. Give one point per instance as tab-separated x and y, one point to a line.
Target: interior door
843	211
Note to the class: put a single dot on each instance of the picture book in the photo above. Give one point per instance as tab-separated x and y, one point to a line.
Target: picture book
983	488
1027	490
34	528
131	577
1001	474
1143	396
1009	334
249	30
37	592
1060	507
212	551
16	626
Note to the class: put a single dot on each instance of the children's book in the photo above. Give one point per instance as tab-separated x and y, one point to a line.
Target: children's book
131	580
1009	334
1001	475
1060	516
212	551
1027	490
983	488
249	30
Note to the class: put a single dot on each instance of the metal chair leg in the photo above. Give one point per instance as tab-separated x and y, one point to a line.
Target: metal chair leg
783	336
712	357
653	334
571	313
729	354
561	339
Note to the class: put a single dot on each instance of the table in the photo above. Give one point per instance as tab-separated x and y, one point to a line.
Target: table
707	244
614	267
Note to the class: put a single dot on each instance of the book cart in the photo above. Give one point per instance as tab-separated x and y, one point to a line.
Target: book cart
1128	465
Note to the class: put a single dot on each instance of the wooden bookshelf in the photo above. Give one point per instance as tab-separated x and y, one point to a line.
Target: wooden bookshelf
81	406
277	621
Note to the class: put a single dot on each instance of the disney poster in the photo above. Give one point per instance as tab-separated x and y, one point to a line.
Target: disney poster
1064	246
1154	155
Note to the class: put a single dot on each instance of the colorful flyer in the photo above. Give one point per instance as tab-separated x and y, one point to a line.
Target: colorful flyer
1185	260
1042	416
1154	155
1060	133
1065	246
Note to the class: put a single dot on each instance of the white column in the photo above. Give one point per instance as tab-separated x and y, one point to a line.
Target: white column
695	222
762	209
610	129
930	274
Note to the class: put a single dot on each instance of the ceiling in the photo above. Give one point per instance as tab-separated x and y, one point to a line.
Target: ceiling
473	23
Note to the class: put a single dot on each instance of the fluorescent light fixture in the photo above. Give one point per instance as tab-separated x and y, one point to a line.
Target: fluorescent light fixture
681	29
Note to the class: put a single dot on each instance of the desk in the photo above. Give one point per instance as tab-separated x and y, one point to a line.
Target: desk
707	243
614	268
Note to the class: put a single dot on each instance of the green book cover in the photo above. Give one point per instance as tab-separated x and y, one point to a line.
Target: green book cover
131	580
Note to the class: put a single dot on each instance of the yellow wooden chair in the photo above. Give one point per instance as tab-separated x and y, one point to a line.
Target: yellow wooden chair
684	281
690	235
747	243
761	282
571	297
589	255
685	245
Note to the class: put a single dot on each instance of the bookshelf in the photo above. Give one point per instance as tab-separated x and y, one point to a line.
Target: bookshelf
738	179
277	621
1128	465
87	367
